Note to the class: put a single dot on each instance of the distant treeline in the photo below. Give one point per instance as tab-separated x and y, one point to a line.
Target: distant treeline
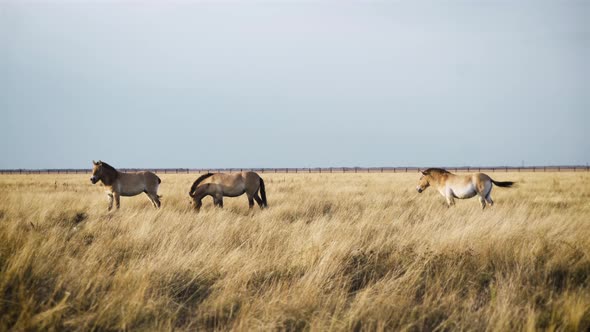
567	168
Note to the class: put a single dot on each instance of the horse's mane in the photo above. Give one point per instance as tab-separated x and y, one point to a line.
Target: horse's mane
110	174
198	181
436	170
107	167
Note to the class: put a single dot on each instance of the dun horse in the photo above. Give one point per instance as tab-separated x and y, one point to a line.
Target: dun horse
125	184
453	186
218	185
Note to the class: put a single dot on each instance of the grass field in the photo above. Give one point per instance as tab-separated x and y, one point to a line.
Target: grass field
332	252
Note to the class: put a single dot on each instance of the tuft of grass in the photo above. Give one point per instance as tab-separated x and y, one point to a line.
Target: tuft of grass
333	252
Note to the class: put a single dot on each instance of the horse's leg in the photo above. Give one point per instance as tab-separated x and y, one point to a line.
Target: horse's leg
117	199
218	200
482	200
483	189
110	196
258	200
450	201
489	199
449	197
250	201
155	199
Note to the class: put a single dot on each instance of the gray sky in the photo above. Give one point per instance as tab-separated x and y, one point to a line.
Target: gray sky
298	84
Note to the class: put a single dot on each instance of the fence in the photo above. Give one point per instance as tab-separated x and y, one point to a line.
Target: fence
312	170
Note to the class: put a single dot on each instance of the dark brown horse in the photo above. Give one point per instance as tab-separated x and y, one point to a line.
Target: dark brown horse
218	185
125	184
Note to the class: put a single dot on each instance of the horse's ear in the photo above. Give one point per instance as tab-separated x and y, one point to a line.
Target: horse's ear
94	162
424	172
99	162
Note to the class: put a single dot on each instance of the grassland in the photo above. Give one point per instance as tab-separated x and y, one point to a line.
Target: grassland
333	252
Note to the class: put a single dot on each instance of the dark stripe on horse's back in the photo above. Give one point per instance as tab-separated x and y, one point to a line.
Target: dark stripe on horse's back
436	170
198	181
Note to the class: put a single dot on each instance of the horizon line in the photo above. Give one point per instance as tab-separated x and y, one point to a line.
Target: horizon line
296	169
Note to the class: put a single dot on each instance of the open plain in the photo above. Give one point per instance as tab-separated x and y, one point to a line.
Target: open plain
332	252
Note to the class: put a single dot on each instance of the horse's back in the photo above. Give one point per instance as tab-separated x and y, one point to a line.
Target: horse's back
481	177
131	184
466	179
251	176
239	183
150	177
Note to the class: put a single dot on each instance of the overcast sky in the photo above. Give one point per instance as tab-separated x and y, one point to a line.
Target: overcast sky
297	84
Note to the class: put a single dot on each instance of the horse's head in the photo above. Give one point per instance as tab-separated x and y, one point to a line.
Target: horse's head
424	182
96	171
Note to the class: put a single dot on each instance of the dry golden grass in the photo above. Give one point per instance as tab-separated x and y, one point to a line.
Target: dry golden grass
333	252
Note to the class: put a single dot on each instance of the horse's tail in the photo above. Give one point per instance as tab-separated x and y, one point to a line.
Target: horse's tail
263	193
506	184
159	181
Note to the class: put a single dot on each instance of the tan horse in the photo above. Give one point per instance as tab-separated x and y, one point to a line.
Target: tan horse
453	186
218	185
125	184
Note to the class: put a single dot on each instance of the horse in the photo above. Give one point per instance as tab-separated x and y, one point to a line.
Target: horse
453	186
218	185
125	184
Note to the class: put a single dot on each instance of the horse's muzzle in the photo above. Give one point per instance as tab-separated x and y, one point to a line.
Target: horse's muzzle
94	180
420	190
